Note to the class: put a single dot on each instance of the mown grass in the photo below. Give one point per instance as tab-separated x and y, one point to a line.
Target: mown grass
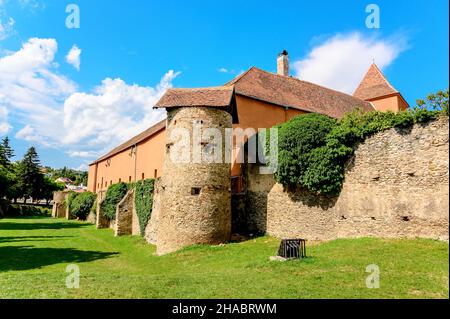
34	253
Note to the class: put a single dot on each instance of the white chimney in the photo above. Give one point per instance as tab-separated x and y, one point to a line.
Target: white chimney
283	63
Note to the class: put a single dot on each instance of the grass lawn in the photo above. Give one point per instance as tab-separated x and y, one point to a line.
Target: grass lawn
34	253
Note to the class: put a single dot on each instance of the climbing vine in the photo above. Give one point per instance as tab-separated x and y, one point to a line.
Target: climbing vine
144	202
114	195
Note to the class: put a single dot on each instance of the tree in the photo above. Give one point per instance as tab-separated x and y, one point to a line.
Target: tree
48	187
6	152
81	178
78	177
5	181
30	178
9	182
435	101
8	177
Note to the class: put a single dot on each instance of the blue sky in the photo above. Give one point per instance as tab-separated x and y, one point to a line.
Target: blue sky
131	51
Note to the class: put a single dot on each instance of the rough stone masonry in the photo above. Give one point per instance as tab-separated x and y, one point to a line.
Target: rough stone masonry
396	185
195	202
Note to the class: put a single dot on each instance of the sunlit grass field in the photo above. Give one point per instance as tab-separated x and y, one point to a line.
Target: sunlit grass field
34	254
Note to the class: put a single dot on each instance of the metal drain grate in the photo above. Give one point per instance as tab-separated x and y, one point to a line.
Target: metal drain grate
292	248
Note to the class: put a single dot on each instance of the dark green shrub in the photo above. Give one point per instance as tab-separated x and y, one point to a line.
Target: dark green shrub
296	139
82	204
424	115
325	171
70	198
114	195
403	119
144	202
27	210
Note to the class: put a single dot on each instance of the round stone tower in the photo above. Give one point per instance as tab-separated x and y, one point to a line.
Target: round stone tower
195	206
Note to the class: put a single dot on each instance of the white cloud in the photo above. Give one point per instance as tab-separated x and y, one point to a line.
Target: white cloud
82	154
82	167
73	57
341	61
114	112
32	90
29	134
4	126
225	70
32	5
6	27
50	111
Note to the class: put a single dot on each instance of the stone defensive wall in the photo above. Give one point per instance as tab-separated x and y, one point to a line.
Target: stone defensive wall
396	185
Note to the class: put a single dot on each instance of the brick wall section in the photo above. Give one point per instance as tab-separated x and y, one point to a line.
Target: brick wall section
397	185
187	219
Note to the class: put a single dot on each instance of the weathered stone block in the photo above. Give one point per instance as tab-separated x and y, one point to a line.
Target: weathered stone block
102	221
152	227
124	215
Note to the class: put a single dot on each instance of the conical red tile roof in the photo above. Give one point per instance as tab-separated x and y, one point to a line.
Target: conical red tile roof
374	85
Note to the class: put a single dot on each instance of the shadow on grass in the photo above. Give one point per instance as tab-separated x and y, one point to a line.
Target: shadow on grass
29	257
4	239
39	225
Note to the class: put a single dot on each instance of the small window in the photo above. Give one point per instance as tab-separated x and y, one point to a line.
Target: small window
120	180
106	184
155	173
110	183
143	176
129	179
195	190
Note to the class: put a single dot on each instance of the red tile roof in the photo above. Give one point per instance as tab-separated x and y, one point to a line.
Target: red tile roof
294	93
374	85
134	140
258	84
220	97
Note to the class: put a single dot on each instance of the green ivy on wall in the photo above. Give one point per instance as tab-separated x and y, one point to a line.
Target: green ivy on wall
144	202
114	195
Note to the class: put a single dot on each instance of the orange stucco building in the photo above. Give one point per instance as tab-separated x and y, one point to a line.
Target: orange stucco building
263	99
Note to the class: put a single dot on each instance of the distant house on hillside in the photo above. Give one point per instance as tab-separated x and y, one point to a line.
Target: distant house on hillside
66	181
